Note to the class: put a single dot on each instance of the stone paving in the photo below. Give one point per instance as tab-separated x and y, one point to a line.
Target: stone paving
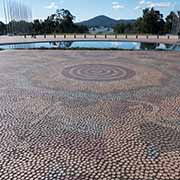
89	115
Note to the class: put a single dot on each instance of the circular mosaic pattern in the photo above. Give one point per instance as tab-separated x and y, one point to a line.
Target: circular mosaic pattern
98	72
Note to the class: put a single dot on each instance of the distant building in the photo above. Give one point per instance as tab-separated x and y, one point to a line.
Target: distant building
176	24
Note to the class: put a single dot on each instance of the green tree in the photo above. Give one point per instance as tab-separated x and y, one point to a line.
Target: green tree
2	28
120	29
82	29
169	22
153	22
139	25
124	28
64	15
38	26
62	22
22	27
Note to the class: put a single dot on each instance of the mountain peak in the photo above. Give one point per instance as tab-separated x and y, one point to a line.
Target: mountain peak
102	16
105	21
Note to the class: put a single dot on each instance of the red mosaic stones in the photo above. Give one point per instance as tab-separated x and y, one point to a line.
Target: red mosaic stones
89	115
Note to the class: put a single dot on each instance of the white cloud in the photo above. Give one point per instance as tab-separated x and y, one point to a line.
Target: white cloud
142	2
137	8
149	4
117	5
159	5
52	5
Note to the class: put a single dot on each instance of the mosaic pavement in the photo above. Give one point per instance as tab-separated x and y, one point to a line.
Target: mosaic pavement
89	115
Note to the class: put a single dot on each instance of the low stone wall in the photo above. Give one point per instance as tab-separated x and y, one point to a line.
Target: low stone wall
169	39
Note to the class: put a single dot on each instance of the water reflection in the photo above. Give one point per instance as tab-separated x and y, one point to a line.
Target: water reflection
61	44
94	45
148	46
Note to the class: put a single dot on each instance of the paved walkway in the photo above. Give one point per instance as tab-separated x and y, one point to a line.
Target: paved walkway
20	39
89	115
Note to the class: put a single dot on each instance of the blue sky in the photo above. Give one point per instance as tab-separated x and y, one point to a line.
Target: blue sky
85	9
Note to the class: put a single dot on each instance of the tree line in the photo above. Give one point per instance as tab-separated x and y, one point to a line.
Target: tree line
151	22
60	22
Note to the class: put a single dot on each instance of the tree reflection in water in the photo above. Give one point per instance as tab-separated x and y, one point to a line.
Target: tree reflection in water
61	44
148	46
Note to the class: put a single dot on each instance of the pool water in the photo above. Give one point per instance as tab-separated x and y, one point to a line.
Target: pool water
93	45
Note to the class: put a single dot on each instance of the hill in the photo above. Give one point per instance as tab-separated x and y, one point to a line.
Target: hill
104	21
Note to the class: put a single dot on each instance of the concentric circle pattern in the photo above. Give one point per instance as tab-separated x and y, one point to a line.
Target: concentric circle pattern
98	72
89	115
